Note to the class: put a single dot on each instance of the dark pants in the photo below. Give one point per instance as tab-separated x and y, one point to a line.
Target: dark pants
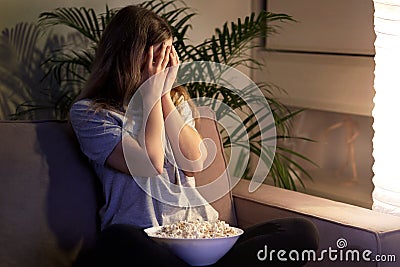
124	245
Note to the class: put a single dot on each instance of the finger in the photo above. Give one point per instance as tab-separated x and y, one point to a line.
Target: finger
174	60
161	55
166	58
174	57
150	55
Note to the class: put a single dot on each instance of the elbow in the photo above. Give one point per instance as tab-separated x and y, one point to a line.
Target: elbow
198	156
201	157
194	163
203	154
199	162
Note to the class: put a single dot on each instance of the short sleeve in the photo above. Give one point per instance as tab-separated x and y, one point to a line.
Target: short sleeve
98	132
187	114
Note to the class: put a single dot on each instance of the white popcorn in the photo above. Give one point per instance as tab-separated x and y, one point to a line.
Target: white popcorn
196	230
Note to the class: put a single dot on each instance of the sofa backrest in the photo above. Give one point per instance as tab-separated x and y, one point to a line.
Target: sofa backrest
217	170
49	195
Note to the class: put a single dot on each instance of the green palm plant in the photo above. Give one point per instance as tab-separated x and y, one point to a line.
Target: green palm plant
230	45
21	56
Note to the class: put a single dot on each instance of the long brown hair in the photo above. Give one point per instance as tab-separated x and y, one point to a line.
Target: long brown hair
117	69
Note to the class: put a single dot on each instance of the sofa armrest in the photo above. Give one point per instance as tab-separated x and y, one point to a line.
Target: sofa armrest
362	228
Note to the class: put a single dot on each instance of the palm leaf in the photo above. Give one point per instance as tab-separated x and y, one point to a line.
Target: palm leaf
84	20
71	64
22	44
231	44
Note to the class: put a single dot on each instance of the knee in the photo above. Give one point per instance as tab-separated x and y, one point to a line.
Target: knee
302	232
308	233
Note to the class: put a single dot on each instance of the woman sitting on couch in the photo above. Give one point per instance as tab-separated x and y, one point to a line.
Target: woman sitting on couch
136	46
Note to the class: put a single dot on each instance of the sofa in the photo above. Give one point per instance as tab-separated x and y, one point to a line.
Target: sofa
49	198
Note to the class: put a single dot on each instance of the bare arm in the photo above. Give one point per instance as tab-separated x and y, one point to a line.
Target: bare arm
189	150
187	145
146	152
145	155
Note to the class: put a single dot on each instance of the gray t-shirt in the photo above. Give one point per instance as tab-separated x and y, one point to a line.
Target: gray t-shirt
126	201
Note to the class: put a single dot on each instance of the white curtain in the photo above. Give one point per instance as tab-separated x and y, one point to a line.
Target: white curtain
386	111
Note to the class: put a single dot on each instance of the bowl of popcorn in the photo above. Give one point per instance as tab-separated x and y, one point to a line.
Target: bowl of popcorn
198	243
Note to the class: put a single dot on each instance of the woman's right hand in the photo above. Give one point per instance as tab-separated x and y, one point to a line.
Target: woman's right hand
156	62
146	152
